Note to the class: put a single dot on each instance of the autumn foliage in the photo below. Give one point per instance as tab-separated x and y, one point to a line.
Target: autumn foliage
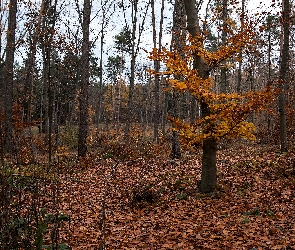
226	113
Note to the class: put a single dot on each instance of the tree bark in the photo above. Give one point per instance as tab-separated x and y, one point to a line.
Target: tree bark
209	169
178	39
8	75
29	72
84	82
283	73
239	83
157	68
164	111
100	97
132	68
223	70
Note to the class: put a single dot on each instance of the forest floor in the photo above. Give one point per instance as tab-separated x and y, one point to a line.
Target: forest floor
129	194
154	203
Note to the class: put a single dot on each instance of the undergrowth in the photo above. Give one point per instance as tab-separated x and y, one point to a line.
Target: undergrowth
34	191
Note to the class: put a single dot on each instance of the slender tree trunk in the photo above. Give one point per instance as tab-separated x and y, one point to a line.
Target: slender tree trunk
283	73
2	89
48	24
157	67
164	111
239	83
46	52
8	126
8	75
223	70
176	148
101	66
178	37
132	68
120	83
84	82
106	14
193	109
269	44
29	77
209	169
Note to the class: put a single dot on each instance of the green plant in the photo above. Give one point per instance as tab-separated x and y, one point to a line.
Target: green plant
245	220
62	246
255	212
182	196
270	213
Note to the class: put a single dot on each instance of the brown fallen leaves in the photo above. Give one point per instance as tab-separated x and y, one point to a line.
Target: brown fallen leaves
252	208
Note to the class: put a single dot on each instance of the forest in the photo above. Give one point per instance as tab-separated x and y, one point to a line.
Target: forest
157	124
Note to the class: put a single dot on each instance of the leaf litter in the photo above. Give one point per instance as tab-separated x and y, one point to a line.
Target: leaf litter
155	203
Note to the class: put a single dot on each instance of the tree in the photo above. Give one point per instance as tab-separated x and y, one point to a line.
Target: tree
283	72
157	66
134	14
224	34
123	41
84	82
8	124
48	30
135	35
177	42
222	115
239	82
30	64
106	13
115	67
8	74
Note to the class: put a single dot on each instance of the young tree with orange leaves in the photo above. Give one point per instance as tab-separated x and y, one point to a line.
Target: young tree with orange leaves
223	115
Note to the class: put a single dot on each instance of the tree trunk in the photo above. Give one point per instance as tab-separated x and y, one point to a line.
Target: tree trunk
132	68
100	97
193	109
223	70
29	72
209	170
157	68
178	37
239	83
8	75
176	148
164	111
84	82
283	73
48	23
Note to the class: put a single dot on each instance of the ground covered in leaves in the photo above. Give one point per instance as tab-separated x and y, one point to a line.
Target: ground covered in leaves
154	203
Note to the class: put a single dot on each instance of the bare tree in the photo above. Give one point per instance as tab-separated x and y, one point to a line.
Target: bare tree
8	73
157	66
223	70
84	81
136	34
283	72
106	11
239	82
178	38
29	67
